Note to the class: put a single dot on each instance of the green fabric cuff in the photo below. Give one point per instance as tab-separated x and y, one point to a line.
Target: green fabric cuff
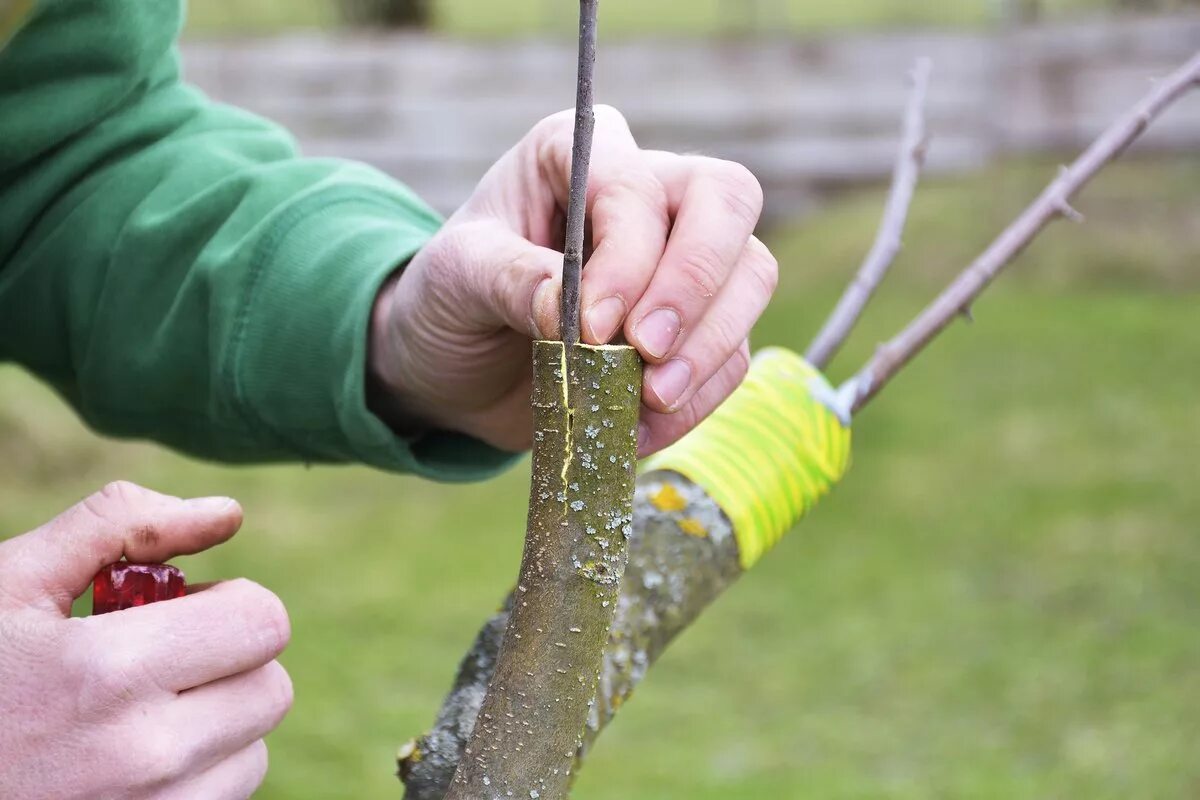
300	365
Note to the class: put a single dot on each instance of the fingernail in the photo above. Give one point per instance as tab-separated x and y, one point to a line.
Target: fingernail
210	503
643	437
657	331
669	381
604	317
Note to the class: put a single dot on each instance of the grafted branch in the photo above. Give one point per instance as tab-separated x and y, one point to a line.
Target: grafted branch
888	241
1054	202
581	157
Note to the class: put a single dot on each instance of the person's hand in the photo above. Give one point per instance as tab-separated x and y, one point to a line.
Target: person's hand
169	701
675	269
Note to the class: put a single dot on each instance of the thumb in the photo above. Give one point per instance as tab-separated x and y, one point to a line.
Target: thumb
55	563
512	282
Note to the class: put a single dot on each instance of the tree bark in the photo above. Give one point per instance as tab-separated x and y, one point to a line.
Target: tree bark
683	554
530	725
682	557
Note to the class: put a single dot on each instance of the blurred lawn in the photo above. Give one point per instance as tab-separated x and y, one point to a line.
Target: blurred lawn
626	17
1000	601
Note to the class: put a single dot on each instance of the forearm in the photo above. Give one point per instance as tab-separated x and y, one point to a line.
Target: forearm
177	271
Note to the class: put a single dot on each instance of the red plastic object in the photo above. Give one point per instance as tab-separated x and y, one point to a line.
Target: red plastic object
123	585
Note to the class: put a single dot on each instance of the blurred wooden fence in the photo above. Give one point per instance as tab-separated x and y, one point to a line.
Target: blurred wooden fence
806	115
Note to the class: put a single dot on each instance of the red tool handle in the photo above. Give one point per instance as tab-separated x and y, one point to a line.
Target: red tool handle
124	585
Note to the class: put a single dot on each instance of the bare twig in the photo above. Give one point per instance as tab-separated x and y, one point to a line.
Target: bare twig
581	155
1054	202
909	161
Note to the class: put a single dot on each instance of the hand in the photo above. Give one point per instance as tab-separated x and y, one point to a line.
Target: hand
675	268
166	701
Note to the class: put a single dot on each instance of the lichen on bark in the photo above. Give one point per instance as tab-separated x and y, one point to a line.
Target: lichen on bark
682	556
586	401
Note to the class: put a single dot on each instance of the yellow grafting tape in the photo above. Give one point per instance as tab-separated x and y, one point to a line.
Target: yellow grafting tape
769	453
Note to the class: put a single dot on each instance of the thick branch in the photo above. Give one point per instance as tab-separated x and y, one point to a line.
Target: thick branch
682	556
888	241
1054	202
581	155
777	443
525	737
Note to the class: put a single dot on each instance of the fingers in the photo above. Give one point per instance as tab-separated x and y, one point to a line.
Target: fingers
659	430
725	326
234	627
209	741
716	206
55	563
490	277
229	715
235	778
629	214
686	301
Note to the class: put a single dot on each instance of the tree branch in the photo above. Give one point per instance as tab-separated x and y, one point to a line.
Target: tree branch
581	155
1054	202
690	541
672	576
524	739
888	242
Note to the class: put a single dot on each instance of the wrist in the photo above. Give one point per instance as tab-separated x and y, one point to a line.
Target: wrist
384	387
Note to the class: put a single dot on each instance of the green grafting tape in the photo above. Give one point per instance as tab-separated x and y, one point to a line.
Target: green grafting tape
769	453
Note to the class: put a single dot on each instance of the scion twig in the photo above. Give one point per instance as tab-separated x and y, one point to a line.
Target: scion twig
1054	202
909	160
581	156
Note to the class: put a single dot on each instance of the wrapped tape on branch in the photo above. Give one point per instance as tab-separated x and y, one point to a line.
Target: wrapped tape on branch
769	454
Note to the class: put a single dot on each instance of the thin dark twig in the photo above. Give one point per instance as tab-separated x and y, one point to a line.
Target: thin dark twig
1054	202
581	156
909	160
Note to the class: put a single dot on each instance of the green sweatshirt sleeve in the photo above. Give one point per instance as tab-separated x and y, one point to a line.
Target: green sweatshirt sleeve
172	267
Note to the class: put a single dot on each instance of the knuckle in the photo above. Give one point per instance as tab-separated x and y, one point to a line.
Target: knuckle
264	613
157	759
610	115
740	190
725	336
702	270
639	184
104	676
765	269
551	137
556	124
740	363
116	496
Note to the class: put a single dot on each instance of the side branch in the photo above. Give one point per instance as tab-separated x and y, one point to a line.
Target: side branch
1054	202
581	155
909	161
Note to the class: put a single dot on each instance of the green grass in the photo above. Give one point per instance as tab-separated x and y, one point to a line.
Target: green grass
627	17
1000	600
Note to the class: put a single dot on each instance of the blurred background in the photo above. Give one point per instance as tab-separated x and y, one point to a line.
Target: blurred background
1002	598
